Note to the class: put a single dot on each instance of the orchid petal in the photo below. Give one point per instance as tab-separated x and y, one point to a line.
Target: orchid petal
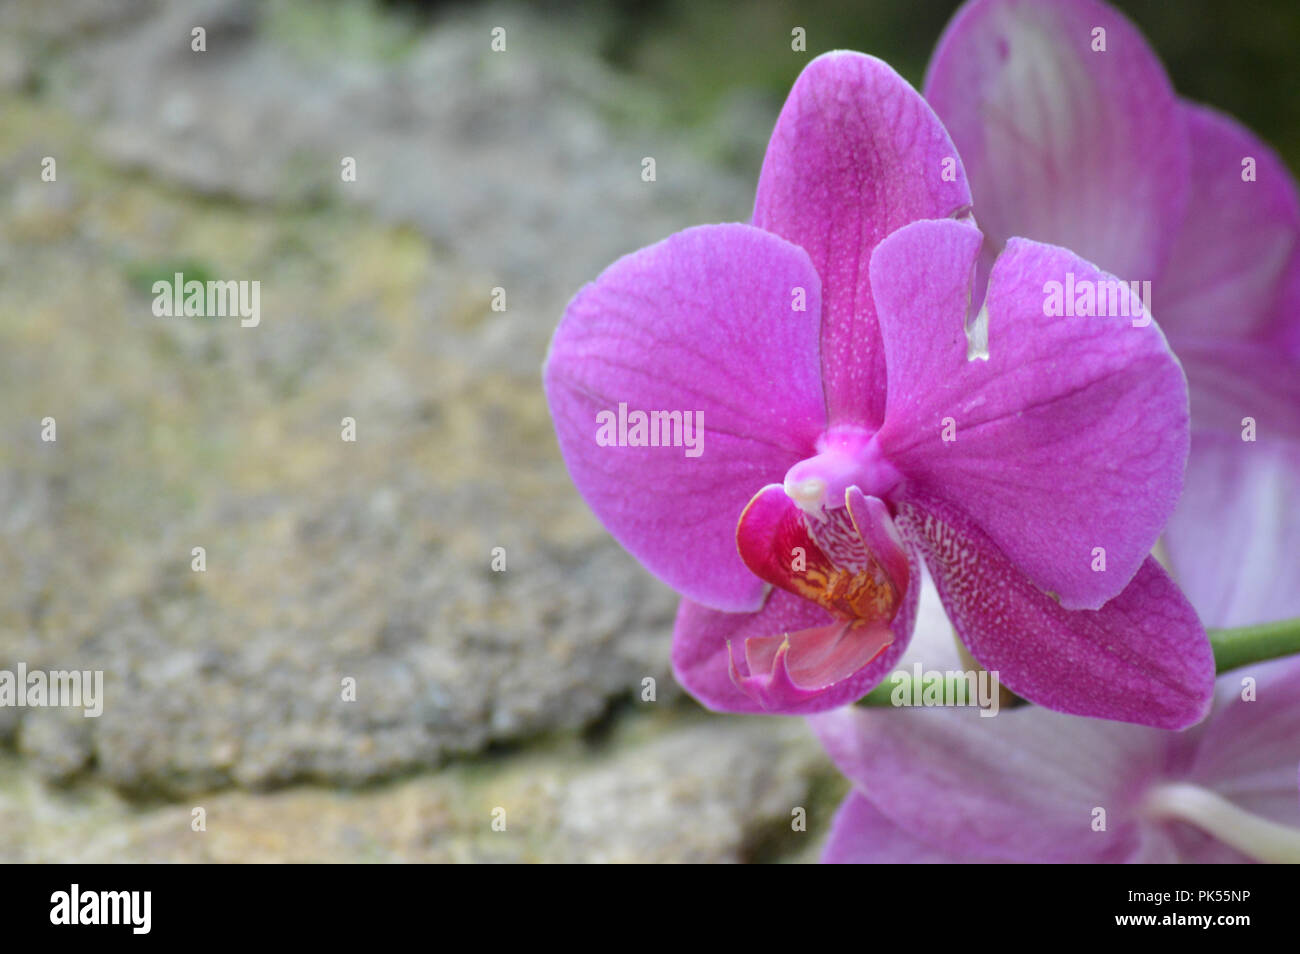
702	639
1022	786
1249	751
1232	380
934	642
860	835
1063	141
1143	657
1071	435
701	323
856	153
1234	272
1234	540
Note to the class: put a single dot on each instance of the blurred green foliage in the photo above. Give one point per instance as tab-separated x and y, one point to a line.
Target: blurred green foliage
142	275
1238	56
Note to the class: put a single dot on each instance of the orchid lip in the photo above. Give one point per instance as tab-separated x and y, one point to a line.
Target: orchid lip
795	667
848	559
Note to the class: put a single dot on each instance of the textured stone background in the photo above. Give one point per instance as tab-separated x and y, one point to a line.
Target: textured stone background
328	559
371	560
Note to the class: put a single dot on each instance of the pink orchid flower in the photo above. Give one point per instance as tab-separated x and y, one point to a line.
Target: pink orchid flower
945	785
851	426
1071	133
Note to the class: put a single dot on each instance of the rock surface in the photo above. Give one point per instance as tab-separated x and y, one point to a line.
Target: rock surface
629	800
329	560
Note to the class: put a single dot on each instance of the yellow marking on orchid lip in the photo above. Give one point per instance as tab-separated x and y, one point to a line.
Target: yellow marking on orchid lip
850	595
864	595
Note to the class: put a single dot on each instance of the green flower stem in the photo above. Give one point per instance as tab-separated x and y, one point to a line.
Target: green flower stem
1251	644
883	693
879	696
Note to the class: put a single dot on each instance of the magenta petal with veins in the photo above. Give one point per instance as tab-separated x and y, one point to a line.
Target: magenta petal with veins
649	333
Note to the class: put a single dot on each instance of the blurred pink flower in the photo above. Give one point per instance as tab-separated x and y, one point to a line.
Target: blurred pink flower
945	785
1071	133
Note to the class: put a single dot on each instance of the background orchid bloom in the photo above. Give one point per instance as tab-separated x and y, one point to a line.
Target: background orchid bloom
1071	133
851	427
944	785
